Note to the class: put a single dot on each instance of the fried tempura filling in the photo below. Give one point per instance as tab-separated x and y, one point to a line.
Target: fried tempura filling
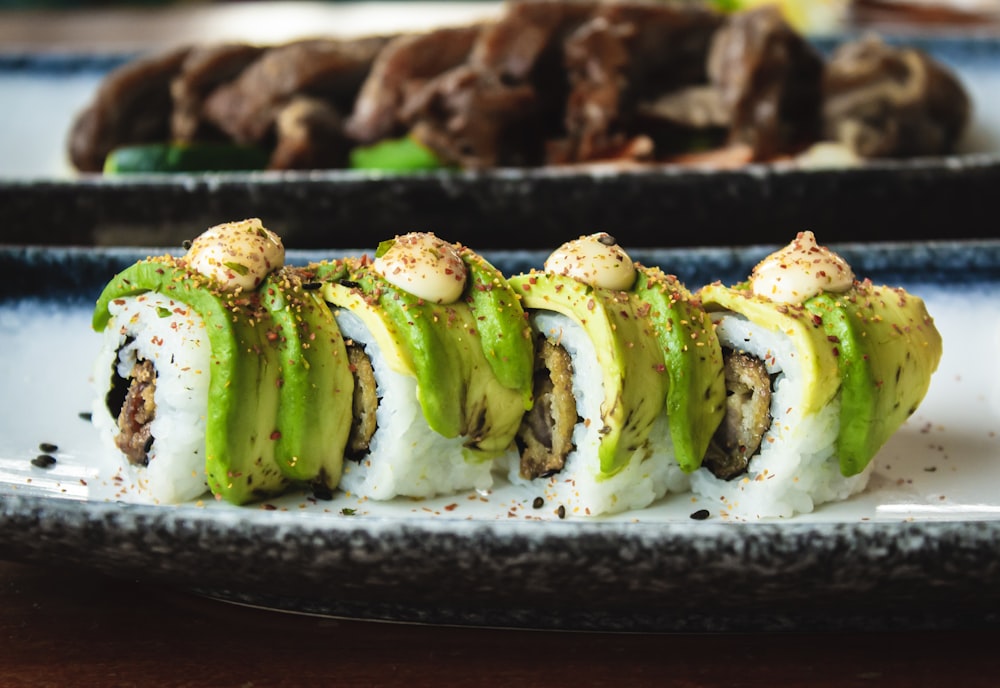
748	415
545	437
364	403
136	414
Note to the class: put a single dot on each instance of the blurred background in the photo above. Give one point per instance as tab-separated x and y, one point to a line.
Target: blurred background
55	54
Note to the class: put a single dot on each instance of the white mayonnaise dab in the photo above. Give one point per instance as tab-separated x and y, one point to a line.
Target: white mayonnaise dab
596	260
800	271
425	266
237	255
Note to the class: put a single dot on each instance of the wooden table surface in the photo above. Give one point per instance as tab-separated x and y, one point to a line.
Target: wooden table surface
60	626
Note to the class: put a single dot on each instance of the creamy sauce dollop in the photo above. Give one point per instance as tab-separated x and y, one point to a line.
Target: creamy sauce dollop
423	265
596	259
800	271
236	255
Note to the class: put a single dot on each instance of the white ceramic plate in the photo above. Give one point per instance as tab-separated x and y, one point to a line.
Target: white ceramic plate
917	548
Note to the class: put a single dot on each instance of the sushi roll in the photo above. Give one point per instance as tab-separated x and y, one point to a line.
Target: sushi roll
442	361
820	370
222	371
628	386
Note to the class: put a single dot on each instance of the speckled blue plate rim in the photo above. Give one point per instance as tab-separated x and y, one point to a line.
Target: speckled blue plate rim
580	575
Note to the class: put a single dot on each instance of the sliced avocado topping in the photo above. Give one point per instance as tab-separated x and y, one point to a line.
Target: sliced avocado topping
886	348
445	347
634	379
697	394
820	379
244	377
503	327
316	386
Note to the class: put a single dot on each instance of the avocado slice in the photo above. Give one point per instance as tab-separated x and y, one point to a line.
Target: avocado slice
886	348
244	379
316	385
693	357
634	372
472	359
820	378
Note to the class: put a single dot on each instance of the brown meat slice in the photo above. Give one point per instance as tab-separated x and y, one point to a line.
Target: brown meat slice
137	413
884	101
501	104
203	70
309	135
470	119
401	69
627	53
769	79
247	107
132	105
748	415
545	437
527	36
364	405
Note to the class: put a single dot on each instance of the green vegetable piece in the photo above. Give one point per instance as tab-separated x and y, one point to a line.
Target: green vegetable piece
886	348
314	410
184	157
634	373
693	358
405	154
244	377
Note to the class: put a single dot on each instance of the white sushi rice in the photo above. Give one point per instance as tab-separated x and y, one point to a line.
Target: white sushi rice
796	468
406	457
580	487
172	336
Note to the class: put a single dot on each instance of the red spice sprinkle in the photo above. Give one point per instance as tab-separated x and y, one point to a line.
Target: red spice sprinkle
276	435
451	507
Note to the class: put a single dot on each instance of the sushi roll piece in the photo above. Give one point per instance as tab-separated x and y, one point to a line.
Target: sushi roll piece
628	385
821	369
222	371
442	361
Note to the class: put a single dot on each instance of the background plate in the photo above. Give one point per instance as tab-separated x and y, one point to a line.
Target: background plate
42	202
918	549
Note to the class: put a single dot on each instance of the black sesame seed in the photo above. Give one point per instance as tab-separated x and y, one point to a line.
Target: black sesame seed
350	284
311	286
607	240
86	415
186	244
538	503
44	461
561	511
48	447
148	445
700	515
